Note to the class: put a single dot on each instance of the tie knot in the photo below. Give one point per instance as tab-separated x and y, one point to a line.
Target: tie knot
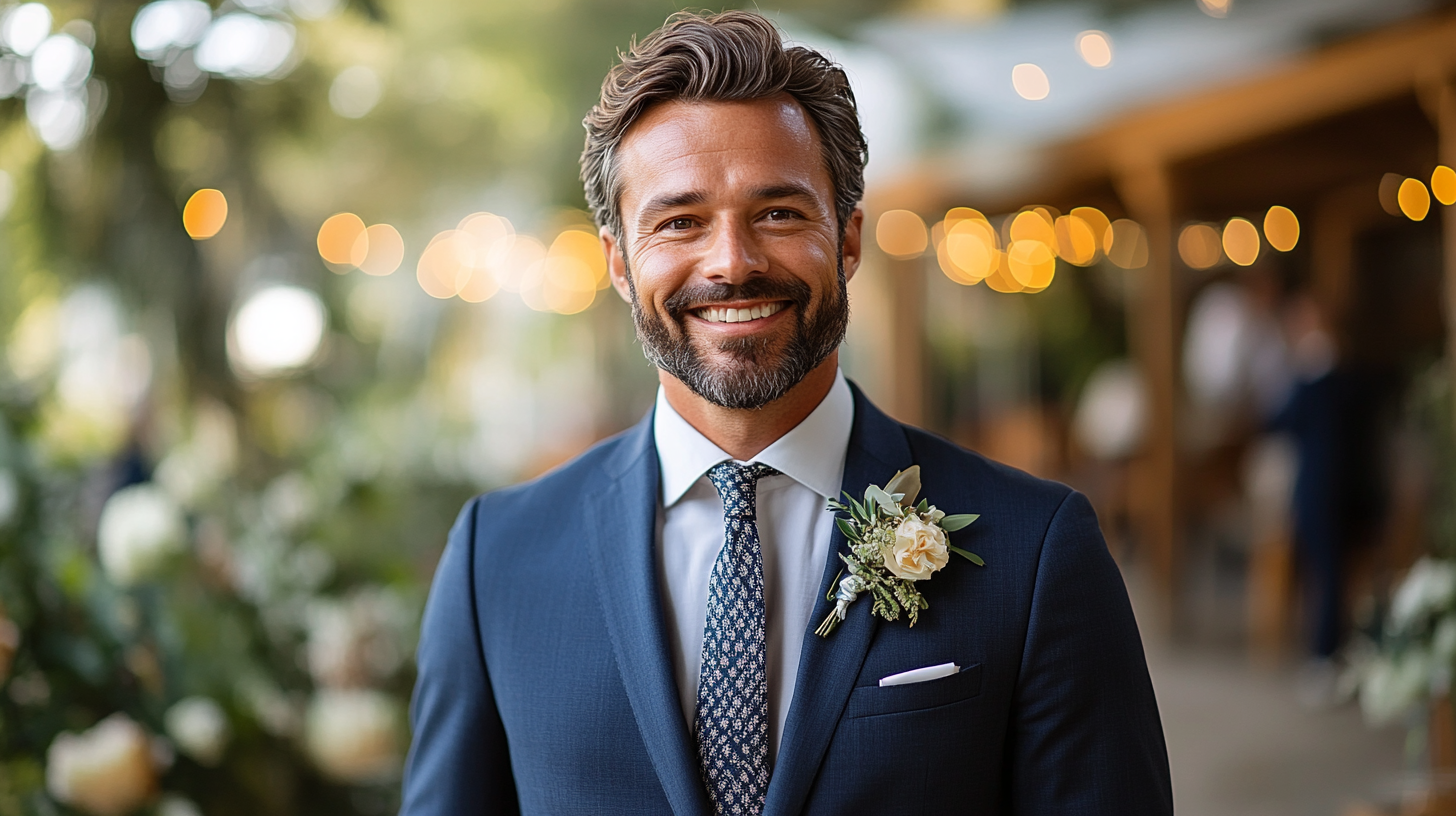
738	486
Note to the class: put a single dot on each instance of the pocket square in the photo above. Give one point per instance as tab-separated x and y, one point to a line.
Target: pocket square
920	675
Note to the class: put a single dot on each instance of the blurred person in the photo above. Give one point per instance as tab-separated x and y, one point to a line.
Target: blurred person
604	641
1331	416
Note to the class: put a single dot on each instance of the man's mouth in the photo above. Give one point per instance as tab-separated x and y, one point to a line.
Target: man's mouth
727	314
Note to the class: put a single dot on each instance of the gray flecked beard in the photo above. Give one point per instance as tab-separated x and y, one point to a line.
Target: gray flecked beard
757	375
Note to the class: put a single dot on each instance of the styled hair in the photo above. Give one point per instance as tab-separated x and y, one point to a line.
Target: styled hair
725	57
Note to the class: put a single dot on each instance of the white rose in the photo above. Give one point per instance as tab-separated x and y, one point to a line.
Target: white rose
354	735
140	528
919	550
200	729
106	771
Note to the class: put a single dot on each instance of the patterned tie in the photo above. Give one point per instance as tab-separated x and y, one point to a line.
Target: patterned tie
732	715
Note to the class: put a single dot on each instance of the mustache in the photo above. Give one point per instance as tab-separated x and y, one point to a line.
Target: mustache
696	296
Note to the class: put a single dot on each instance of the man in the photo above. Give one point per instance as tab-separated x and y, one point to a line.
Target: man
609	639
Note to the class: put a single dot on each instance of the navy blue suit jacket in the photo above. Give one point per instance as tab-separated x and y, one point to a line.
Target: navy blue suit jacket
545	682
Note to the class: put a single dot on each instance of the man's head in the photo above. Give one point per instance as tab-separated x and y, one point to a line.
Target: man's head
725	171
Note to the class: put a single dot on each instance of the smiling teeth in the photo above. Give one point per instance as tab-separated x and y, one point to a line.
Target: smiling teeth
718	314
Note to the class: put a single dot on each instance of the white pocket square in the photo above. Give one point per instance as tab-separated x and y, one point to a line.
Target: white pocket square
920	675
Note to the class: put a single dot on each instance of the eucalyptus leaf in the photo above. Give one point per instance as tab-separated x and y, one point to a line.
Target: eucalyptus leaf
847	528
952	523
907	482
968	555
922	506
883	499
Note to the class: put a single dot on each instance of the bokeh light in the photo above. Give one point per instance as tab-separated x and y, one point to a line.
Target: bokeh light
1198	246
901	234
25	27
1127	244
447	265
61	62
277	330
1413	199
1001	279
1030	81
520	265
1077	243
1095	48
1443	184
1099	223
970	250
1281	228
587	248
1032	263
168	25
336	240
1241	241
382	249
1215	8
1032	225
205	213
245	46
355	91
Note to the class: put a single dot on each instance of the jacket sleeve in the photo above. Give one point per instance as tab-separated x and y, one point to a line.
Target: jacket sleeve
459	763
1085	736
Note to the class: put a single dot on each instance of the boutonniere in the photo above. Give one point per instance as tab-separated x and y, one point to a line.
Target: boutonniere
893	543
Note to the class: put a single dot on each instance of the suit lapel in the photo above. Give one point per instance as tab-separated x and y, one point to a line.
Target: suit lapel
828	666
623	528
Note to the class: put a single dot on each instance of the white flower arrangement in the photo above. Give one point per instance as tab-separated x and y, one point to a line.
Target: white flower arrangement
893	543
1417	652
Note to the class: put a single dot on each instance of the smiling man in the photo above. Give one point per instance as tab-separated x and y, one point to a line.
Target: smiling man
636	632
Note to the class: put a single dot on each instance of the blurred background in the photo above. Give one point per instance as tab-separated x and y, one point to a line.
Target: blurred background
284	282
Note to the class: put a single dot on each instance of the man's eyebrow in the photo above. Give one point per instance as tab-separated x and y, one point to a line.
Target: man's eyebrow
786	190
670	201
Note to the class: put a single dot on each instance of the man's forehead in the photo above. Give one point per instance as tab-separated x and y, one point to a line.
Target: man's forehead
683	139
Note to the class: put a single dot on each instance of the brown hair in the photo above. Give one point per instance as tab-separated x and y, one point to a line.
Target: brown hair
731	56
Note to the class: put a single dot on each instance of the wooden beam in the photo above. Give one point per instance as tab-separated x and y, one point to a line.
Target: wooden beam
1342	78
1440	95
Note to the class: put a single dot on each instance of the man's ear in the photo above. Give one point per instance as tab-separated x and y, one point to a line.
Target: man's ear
853	246
616	264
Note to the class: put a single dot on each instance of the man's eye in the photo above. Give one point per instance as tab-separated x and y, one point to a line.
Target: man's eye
782	215
680	224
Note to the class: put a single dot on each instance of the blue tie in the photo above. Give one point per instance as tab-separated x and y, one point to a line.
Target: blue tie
732	715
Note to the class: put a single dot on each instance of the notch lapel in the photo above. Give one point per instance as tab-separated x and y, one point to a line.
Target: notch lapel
828	666
623	536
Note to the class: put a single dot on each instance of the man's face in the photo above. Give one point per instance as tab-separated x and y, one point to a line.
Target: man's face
733	262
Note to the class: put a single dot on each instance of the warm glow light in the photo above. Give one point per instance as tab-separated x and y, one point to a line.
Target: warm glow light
957	214
1198	246
1241	241
568	284
587	248
277	330
1032	225
970	252
1127	244
1215	8
1095	47
1001	279
336	239
382	250
446	265
205	213
1030	81
1032	264
521	264
1414	201
1076	243
1443	184
1099	224
901	234
1281	228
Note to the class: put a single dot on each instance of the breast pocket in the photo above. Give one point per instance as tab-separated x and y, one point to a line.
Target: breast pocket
874	701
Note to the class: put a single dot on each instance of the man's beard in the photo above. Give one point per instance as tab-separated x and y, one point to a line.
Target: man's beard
757	374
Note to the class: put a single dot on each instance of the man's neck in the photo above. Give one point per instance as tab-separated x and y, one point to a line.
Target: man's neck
744	432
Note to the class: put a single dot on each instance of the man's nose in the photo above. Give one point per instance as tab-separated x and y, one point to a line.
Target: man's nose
733	254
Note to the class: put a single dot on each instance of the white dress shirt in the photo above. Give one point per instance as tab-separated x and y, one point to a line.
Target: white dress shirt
793	527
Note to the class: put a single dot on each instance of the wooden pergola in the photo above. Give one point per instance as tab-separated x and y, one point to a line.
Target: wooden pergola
1315	134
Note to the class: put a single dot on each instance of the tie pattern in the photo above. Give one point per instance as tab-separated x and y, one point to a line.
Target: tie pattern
732	709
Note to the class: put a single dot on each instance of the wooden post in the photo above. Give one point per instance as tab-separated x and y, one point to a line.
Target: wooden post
1445	119
907	333
1146	190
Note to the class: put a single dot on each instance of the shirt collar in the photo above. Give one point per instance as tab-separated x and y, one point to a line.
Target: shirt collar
812	454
